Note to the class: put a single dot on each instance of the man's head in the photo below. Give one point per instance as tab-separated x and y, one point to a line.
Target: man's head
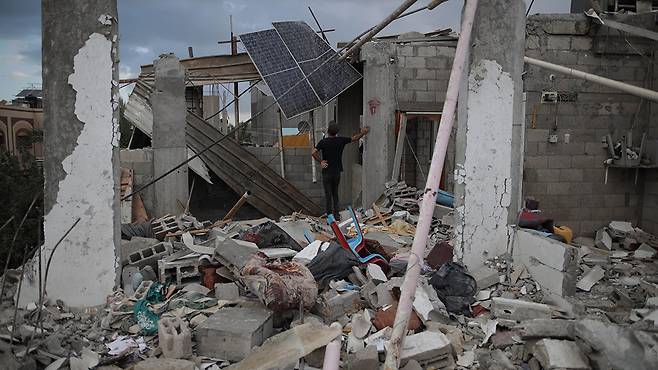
332	129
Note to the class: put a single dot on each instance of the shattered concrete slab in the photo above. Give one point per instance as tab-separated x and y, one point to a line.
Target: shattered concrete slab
518	310
426	348
560	354
232	332
552	264
285	349
595	274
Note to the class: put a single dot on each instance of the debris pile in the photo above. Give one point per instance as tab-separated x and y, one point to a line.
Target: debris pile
264	294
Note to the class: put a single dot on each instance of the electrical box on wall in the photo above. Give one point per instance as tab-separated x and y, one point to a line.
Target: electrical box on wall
552	139
549	97
554	97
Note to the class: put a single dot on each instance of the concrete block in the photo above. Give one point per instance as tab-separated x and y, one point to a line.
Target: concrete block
227	291
559	43
438	62
420	85
437	85
427	348
174	338
560	354
338	305
425	96
134	245
232	332
486	277
150	255
426	74
558	188
547	328
181	272
142	289
414	62
164	364
535	162
536	135
553	264
571	175
365	359
518	310
427	51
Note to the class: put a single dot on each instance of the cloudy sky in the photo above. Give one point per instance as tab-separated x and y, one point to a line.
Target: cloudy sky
149	28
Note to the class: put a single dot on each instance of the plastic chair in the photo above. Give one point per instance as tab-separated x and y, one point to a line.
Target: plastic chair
357	243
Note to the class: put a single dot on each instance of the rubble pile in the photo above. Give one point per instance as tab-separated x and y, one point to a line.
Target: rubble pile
266	294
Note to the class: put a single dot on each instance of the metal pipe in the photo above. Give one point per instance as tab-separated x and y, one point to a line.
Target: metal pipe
314	171
391	17
332	356
282	158
613	84
431	188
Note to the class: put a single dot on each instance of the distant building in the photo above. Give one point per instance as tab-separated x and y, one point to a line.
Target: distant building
18	121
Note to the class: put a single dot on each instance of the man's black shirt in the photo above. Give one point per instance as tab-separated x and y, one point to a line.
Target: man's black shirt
332	152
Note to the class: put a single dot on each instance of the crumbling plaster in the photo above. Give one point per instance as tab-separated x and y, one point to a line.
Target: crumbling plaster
84	184
485	173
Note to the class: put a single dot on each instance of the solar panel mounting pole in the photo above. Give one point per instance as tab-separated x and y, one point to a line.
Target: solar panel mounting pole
314	171
236	105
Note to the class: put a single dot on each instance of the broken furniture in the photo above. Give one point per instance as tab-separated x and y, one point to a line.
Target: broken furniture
356	244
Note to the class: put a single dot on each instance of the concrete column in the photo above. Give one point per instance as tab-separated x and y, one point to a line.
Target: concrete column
490	133
379	113
80	84
169	148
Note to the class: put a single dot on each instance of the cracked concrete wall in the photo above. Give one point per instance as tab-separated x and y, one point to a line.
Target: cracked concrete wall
80	83
489	140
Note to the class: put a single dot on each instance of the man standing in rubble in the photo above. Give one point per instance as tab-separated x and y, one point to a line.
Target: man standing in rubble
332	163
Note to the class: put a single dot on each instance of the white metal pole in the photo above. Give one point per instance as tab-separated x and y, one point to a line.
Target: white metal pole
429	198
621	86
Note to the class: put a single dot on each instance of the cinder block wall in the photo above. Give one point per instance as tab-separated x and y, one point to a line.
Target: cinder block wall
422	74
568	177
297	167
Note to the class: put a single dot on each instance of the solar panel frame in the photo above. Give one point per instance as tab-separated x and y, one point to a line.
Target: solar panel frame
289	53
296	35
280	71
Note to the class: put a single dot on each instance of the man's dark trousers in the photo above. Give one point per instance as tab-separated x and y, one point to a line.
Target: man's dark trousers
330	182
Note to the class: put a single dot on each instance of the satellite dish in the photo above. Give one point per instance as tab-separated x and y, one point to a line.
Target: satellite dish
303	126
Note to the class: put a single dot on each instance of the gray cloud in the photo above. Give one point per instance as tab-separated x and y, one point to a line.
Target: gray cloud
152	27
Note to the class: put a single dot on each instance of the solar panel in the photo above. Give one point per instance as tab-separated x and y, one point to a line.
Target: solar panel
311	51
288	53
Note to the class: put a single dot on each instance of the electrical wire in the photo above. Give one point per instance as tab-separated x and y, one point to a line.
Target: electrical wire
239	125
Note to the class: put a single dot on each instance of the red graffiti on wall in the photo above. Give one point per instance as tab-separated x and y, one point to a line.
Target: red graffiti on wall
373	104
